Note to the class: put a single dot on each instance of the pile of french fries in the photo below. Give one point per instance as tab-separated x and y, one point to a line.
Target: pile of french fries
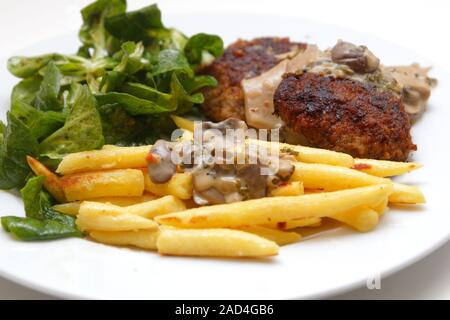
116	203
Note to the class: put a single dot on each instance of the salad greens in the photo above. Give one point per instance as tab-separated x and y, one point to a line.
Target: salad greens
129	74
41	221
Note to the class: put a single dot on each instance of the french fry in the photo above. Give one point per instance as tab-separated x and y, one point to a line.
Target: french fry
293	188
112	183
311	155
292	224
277	209
382	206
279	237
214	242
144	239
153	208
51	182
108	217
332	178
125	201
148	209
383	168
72	208
180	185
361	219
405	194
110	146
104	159
183	123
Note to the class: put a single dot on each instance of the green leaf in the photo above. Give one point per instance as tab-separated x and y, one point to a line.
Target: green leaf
141	25
111	80
31	229
40	123
24	67
202	43
181	98
18	142
133	105
196	83
170	60
47	96
2	131
33	200
145	92
93	33
132	60
82	129
26	90
42	222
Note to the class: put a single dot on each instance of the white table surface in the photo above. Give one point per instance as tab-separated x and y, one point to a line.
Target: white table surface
416	24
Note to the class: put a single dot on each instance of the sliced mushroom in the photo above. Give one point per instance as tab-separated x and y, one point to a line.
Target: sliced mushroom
252	180
359	58
209	196
160	166
285	169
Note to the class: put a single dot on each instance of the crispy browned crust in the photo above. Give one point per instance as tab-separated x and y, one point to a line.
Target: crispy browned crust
242	59
345	115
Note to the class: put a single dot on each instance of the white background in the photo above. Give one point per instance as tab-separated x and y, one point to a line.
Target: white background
417	24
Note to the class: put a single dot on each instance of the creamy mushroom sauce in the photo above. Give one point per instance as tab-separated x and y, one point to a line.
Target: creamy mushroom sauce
220	177
344	60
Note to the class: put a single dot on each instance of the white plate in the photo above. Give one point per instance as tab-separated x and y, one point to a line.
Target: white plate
327	264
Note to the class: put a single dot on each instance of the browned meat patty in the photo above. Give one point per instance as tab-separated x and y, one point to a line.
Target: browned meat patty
242	59
345	115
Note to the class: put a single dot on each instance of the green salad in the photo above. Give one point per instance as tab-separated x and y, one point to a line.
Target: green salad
130	73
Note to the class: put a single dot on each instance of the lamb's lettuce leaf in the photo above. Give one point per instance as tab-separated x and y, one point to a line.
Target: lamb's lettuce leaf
132	104
42	222
24	67
141	25
93	33
203	48
47	98
31	229
26	90
40	123
82	129
170	60
18	142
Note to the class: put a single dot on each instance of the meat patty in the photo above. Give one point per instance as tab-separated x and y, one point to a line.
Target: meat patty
345	115
242	59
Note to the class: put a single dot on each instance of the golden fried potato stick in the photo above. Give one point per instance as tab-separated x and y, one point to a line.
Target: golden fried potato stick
144	239
214	242
293	188
183	123
51	182
107	217
360	219
111	183
292	224
331	178
110	157
72	208
148	209
383	168
279	237
404	194
277	209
